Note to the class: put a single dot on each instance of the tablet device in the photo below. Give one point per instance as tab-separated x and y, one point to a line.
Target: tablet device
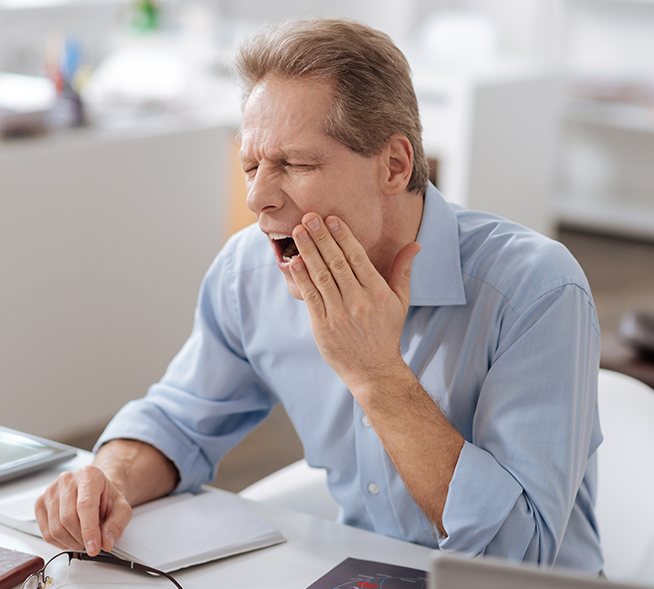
22	453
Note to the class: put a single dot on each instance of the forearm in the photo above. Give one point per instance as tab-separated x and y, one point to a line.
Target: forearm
422	444
138	470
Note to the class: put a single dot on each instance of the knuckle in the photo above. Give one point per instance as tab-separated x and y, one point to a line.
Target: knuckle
65	479
51	491
69	519
338	265
123	507
90	472
321	237
358	311
47	536
85	501
357	259
313	298
323	278
57	530
379	297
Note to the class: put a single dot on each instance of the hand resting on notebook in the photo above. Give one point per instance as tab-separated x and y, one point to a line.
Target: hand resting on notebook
89	509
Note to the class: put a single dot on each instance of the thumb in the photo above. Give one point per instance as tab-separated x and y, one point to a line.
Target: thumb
400	276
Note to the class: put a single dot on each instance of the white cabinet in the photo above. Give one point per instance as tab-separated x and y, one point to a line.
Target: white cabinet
104	239
608	169
606	179
493	136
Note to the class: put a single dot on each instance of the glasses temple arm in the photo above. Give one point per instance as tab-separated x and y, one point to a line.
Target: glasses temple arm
135	566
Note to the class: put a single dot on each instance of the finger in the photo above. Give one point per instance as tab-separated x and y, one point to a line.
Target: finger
56	532
316	268
331	253
400	276
89	497
68	513
119	514
354	252
41	513
310	294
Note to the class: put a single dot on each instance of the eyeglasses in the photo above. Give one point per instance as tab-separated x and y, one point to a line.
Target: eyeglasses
55	572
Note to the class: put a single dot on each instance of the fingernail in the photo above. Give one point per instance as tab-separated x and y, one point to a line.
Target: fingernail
91	547
297	264
333	224
302	235
109	539
313	223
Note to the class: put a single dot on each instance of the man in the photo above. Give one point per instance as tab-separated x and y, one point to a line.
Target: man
440	364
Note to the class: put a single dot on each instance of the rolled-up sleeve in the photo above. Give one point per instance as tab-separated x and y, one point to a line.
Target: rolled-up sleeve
516	480
209	397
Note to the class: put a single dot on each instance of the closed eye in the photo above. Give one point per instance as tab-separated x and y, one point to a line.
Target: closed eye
300	167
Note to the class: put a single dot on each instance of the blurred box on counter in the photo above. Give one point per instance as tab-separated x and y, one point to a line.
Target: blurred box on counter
25	104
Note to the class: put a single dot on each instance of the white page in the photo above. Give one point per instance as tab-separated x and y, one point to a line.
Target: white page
186	529
20	506
17	511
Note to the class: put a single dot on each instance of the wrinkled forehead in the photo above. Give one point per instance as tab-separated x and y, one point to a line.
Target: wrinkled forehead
281	112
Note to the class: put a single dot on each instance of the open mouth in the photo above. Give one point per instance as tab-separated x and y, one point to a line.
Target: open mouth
285	248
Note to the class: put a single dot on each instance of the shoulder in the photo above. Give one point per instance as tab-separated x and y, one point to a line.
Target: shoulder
245	252
519	263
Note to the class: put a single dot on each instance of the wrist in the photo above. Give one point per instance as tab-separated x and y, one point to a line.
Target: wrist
380	388
137	470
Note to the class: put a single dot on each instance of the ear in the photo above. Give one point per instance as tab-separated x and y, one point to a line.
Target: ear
396	164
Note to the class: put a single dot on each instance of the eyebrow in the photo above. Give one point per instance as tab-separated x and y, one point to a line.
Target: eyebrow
310	155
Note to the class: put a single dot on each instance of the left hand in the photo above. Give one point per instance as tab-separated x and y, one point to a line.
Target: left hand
356	315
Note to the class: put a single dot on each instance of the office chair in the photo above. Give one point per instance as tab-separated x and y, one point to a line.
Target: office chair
625	496
296	486
625	503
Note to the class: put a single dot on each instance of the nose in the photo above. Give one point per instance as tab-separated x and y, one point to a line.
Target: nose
264	191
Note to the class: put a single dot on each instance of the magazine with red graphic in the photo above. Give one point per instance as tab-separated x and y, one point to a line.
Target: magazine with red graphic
353	573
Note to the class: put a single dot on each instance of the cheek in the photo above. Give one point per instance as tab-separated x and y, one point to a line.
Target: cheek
309	194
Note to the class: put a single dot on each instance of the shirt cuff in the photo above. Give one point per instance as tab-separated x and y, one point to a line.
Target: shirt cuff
480	497
141	420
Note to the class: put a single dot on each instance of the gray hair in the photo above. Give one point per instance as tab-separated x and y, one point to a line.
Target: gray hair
373	93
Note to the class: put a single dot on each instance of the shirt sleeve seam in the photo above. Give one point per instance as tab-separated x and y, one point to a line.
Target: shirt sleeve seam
561	287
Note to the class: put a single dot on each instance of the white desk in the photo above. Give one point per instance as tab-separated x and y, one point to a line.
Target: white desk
313	547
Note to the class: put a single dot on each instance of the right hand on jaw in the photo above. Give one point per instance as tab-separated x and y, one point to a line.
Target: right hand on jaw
82	510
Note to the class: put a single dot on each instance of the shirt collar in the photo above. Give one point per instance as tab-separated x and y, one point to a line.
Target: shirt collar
436	277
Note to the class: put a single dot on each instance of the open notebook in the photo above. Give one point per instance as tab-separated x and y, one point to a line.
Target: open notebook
174	532
183	530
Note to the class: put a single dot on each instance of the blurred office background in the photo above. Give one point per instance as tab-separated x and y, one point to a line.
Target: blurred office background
119	179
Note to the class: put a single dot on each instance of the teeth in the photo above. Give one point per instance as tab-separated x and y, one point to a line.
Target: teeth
277	236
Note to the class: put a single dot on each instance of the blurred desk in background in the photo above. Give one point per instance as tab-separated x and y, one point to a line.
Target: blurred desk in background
619	357
105	235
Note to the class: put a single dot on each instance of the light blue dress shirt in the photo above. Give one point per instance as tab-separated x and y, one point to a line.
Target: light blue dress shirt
502	334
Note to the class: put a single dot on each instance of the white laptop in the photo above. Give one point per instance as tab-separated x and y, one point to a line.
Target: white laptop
457	572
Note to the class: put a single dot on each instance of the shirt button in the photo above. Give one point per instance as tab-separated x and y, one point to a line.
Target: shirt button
365	421
373	489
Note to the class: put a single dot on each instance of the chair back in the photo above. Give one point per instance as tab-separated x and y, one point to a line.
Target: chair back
625	496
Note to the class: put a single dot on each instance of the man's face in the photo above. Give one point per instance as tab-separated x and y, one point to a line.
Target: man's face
293	167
